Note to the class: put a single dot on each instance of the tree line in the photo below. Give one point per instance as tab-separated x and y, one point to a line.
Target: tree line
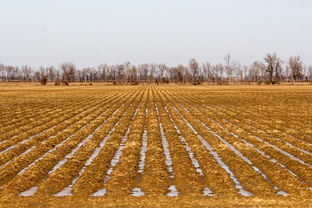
271	70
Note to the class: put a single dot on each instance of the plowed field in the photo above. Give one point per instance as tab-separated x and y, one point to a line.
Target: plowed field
155	146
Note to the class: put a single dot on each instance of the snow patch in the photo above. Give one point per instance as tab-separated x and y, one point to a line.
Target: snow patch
30	192
216	157
172	191
100	192
137	192
143	152
24	153
208	192
116	157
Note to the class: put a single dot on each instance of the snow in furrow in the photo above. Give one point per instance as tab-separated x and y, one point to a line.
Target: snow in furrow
50	151
7	149
143	152
266	156
288	135
24	153
4	141
30	192
244	158
216	156
29	138
172	189
300	140
187	146
116	158
144	147
68	156
138	191
283	152
263	154
273	160
287	143
58	145
67	191
295	147
24	141
206	191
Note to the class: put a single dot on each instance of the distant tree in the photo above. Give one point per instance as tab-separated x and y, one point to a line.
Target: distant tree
273	68
127	67
194	67
133	77
162	68
143	71
37	76
120	75
9	73
51	73
240	72
255	71
2	72
87	74
43	80
69	70
103	70
26	73
270	71
309	73
152	72
42	75
296	67
208	72
229	67
287	73
218	70
178	73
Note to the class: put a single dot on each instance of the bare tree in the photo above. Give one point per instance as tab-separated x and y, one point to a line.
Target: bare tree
270	71
2	72
133	76
26	72
178	73
42	76
9	73
103	70
120	72
273	67
255	71
229	67
208	72
296	67
162	73
127	66
143	72
219	73
194	67
89	75
287	73
37	76
310	73
51	73
240	72
69	70
152	72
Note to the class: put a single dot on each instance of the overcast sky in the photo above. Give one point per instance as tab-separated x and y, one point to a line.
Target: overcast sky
91	32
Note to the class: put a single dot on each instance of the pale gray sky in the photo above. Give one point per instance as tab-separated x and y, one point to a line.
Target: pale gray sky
91	32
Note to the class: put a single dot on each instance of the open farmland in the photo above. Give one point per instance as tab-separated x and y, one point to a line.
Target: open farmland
156	146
